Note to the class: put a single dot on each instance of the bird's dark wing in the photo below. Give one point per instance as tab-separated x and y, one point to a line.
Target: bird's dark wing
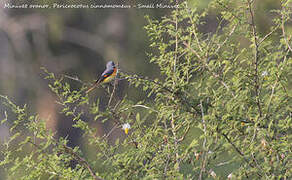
105	74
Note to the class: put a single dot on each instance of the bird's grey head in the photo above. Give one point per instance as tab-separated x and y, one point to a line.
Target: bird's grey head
110	64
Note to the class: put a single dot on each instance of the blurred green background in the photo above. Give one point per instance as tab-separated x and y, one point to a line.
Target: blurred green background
79	42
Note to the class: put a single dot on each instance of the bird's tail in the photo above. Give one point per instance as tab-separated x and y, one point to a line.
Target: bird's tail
93	87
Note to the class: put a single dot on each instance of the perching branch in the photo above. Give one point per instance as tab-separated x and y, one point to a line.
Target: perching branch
114	89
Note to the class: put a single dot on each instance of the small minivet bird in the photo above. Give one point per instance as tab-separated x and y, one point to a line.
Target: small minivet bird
107	76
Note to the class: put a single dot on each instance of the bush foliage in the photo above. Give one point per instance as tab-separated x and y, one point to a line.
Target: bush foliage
221	107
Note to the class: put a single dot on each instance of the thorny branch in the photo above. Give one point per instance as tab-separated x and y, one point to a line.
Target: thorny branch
174	83
256	64
238	151
82	161
110	132
75	78
177	94
226	39
166	166
268	35
256	58
213	73
258	166
78	158
203	165
185	133
45	154
284	33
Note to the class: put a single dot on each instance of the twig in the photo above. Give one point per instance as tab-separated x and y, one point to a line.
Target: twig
174	137
267	35
117	118
259	167
256	63
239	152
203	165
204	125
112	130
75	155
150	80
223	163
176	44
271	97
75	79
256	58
166	165
81	161
195	34
189	47
112	94
45	154
230	11
178	95
284	33
184	135
206	65
115	84
173	86
236	148
229	35
146	107
117	104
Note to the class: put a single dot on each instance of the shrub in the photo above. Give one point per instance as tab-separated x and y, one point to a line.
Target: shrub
220	108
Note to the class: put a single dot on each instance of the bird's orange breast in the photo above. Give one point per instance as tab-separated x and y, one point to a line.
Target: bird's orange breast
110	77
